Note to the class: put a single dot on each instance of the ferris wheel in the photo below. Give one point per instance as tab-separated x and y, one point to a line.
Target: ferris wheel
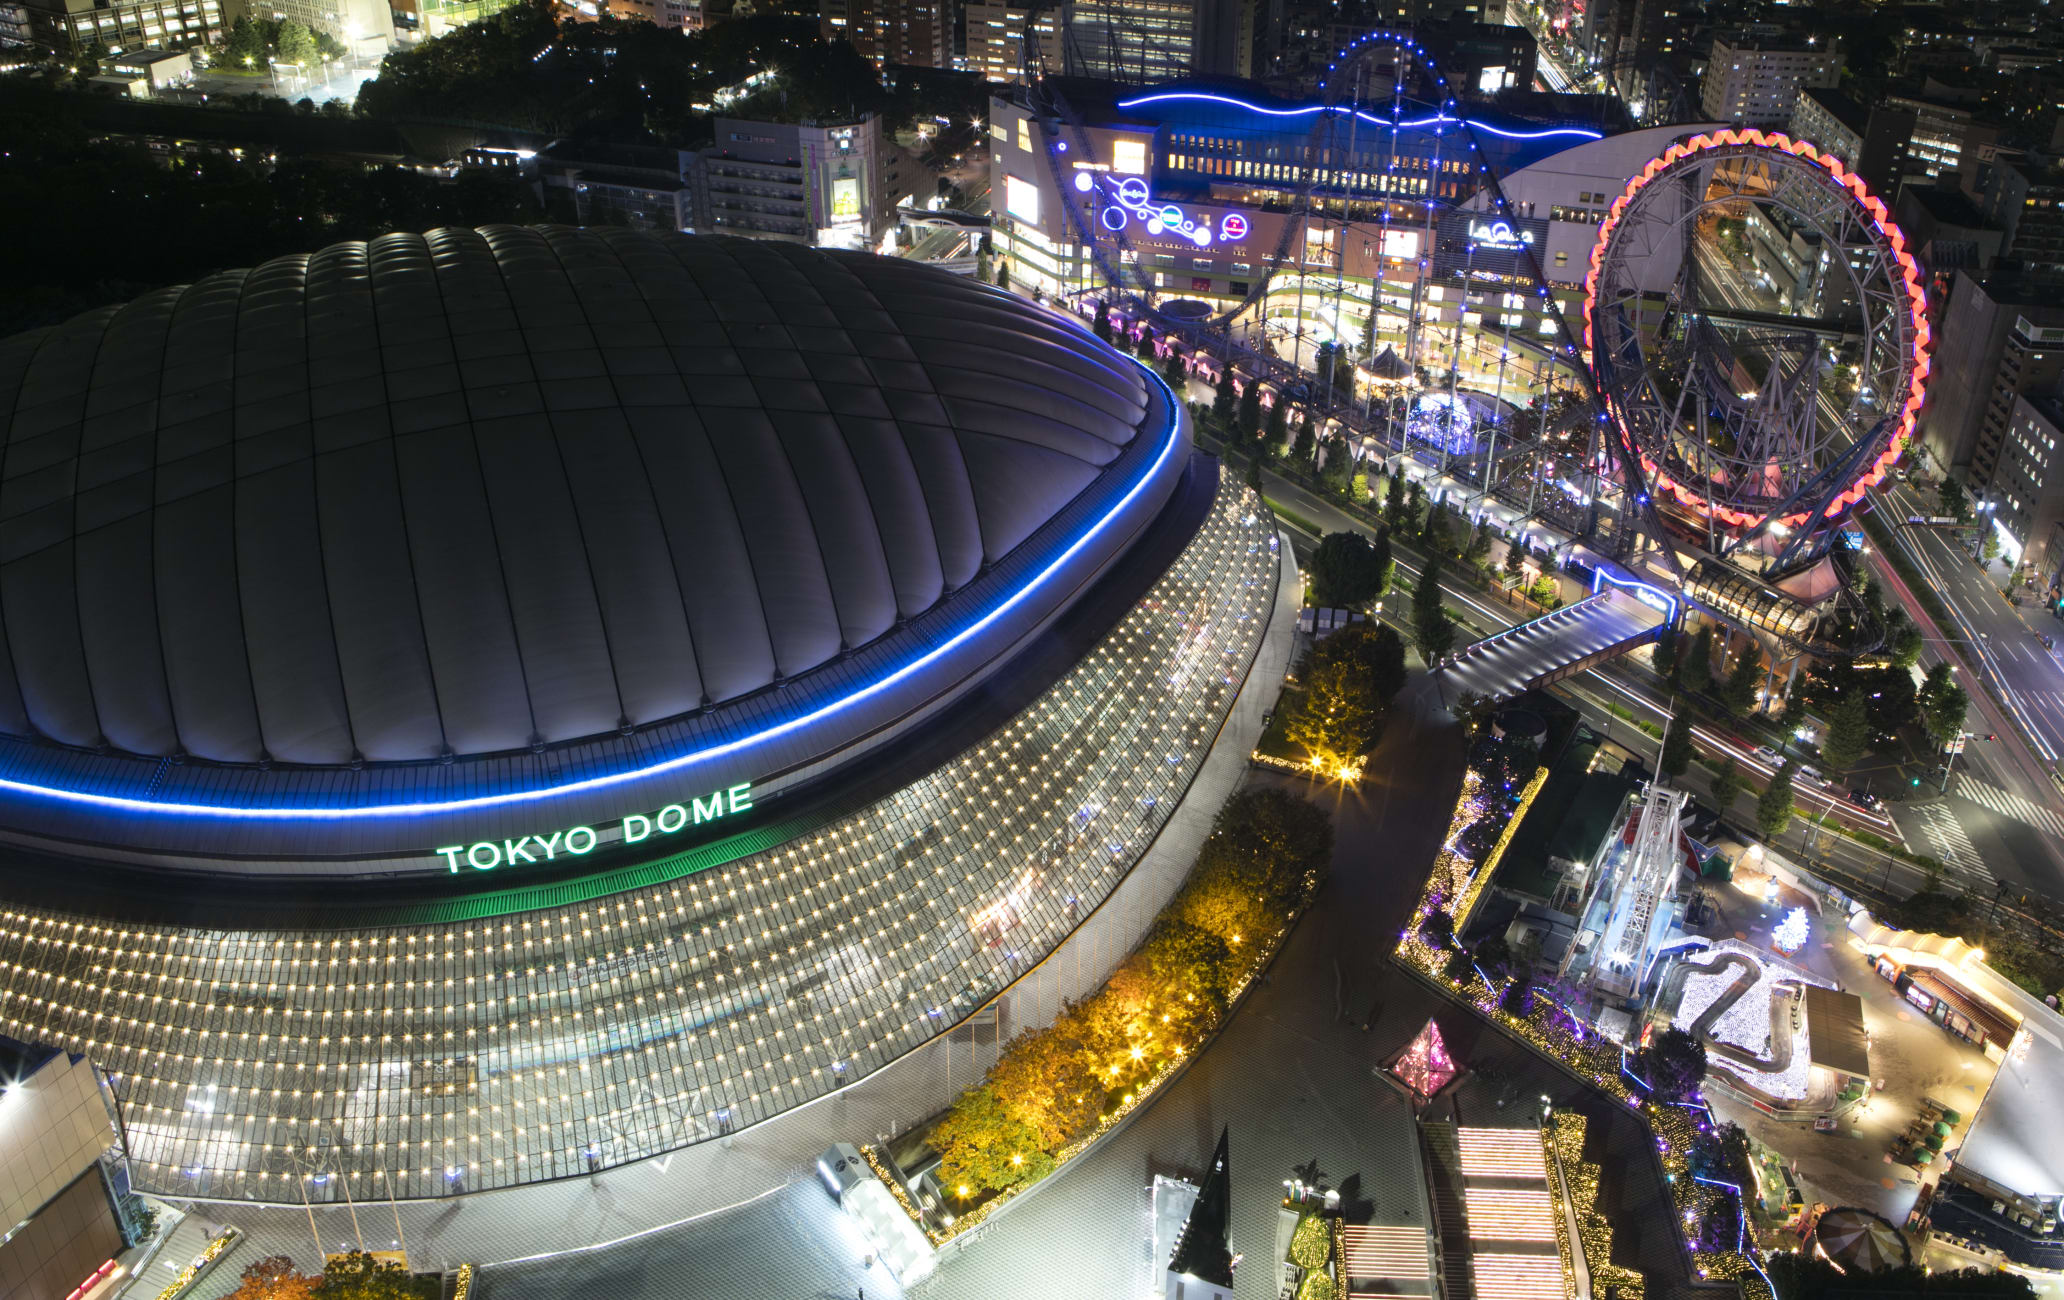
1758	331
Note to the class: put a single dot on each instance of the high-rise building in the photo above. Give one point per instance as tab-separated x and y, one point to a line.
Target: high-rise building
1834	123
1143	41
1924	140
2025	199
1999	337
1756	80
2027	491
914	33
996	37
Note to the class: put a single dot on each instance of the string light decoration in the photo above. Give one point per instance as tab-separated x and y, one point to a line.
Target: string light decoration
1790	935
464	1055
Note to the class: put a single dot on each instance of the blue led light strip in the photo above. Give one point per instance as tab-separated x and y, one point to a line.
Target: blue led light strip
1440	119
679	761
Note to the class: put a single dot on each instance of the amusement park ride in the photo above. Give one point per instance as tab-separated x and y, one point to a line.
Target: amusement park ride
1738	425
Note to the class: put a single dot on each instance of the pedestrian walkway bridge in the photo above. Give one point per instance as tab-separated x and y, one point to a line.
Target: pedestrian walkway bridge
1552	647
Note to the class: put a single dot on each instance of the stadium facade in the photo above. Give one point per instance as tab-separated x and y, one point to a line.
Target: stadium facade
491	705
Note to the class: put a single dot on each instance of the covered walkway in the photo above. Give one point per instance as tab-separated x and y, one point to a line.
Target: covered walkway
1551	647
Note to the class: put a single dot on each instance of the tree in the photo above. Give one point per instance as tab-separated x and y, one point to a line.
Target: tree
1349	570
245	48
296	44
1223	401
1738	695
1774	809
1903	638
1336	720
1302	449
1674	1063
983	1147
1144	349
1479	548
1950	499
1664	656
273	1278
358	1276
1250	412
1675	759
1431	626
1003	275
1945	719
1434	535
1727	785
1515	559
1102	324
1172	371
1046	1081
1394	500
1798	1276
1278	434
1697	669
1848	732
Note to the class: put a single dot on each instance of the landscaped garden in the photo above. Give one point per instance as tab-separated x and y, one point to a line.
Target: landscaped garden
1054	1090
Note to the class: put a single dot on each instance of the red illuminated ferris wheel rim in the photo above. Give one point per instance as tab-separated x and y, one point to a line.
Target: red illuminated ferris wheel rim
1910	280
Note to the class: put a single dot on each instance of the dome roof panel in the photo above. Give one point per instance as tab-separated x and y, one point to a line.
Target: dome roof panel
477	492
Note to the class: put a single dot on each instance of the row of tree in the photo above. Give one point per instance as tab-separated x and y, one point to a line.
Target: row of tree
1265	856
353	1276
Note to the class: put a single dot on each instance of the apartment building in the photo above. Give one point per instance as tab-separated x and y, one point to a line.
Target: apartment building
1755	80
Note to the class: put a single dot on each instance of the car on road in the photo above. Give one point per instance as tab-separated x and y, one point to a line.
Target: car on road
1865	799
1769	755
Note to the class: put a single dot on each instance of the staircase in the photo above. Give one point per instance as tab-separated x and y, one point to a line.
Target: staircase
1442	1152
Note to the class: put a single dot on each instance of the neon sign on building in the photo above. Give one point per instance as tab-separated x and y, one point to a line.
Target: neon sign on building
1499	235
1126	201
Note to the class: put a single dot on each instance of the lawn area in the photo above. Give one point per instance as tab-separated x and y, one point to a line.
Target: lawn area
1275	741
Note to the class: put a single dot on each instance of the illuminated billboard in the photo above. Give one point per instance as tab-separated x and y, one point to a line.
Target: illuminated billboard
845	200
1401	243
1488	244
1021	199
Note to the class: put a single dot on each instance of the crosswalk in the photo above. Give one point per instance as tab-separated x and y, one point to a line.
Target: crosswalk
2007	804
1948	840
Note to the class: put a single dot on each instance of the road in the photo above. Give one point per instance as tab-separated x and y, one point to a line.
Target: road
944	242
2001	818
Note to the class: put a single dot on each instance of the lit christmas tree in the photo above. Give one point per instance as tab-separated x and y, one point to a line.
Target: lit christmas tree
1426	1066
1790	935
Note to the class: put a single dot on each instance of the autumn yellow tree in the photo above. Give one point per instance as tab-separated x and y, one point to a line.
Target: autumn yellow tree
982	1148
1047	1081
274	1278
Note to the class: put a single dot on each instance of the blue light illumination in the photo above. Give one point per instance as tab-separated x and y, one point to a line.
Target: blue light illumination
1437	120
1647	593
679	762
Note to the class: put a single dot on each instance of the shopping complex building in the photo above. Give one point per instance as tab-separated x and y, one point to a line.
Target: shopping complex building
487	706
1205	188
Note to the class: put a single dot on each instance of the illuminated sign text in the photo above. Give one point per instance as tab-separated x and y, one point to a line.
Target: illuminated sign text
579	841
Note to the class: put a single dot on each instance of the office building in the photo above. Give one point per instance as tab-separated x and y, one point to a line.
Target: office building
1755	80
2000	336
645	187
911	33
2025	199
71	25
1924	141
1145	41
